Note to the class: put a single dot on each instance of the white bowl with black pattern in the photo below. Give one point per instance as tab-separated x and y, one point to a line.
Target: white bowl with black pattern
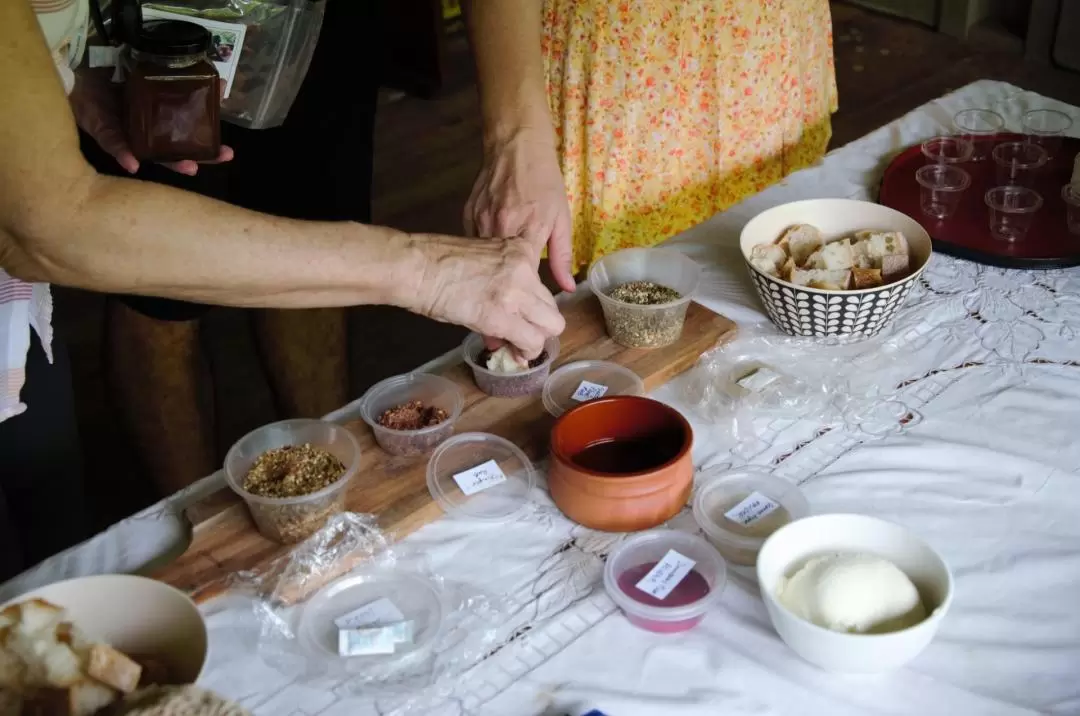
805	311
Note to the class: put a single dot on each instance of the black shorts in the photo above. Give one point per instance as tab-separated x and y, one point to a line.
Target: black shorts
316	166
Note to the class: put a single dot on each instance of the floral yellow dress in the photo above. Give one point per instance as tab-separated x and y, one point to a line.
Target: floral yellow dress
670	111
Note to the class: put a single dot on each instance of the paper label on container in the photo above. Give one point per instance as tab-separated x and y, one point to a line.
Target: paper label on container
480	478
758	379
380	612
589	391
376	640
666	575
225	46
752	509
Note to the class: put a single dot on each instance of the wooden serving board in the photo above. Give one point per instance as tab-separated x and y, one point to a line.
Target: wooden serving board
224	539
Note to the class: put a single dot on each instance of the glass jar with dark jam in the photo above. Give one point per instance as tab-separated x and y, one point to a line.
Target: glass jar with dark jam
171	94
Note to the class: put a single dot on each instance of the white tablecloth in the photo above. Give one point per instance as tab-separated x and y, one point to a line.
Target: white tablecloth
991	477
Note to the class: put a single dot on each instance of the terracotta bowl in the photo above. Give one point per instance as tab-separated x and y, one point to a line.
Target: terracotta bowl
626	490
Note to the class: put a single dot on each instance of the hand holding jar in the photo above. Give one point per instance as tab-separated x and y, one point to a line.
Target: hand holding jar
169	112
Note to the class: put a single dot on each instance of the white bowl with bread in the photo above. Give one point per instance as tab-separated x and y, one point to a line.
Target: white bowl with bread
80	646
827	267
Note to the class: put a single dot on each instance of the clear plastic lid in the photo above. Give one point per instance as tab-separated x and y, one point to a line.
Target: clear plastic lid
480	476
630	570
740	509
407	604
582	381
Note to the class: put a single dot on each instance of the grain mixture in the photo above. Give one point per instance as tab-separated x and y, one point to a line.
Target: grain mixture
292	471
640	320
644	293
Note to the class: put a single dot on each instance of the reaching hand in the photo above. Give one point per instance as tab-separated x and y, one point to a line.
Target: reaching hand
96	104
520	193
491	287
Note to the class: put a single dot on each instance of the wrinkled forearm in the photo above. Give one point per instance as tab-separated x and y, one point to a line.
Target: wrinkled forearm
126	236
505	37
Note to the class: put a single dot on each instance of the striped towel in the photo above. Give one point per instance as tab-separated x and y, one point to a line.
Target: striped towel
25	306
22	306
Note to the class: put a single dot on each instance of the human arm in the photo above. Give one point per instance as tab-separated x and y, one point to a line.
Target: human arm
62	222
520	189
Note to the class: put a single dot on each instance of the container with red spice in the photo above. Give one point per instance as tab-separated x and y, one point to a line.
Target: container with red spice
171	94
411	414
665	581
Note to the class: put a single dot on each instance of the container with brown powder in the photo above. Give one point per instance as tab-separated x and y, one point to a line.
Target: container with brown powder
293	475
739	509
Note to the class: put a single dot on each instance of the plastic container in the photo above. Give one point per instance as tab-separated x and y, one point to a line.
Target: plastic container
291	519
387	597
494	496
1046	128
432	391
508	385
947	150
687	603
722	491
1018	162
940	187
582	381
1011	210
636	326
1071	197
978	126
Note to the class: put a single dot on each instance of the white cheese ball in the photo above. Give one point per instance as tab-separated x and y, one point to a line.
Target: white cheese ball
858	593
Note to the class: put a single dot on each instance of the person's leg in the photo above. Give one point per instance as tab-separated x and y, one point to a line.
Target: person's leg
42	508
304	353
317	166
153	361
159	379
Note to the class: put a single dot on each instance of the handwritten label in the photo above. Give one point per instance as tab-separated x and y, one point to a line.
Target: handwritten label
480	478
380	612
589	391
752	509
666	575
377	640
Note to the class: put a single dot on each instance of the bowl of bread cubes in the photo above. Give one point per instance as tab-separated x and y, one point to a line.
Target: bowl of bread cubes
832	267
106	644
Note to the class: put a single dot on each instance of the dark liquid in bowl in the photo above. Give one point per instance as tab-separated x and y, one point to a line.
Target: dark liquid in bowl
628	456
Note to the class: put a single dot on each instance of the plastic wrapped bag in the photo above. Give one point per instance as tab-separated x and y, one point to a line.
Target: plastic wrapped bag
261	48
762	377
405	632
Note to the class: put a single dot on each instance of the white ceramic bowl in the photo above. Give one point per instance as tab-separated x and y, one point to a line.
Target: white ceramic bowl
792	545
804	311
136	615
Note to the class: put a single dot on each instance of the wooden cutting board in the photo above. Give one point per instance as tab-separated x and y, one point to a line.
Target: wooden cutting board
224	539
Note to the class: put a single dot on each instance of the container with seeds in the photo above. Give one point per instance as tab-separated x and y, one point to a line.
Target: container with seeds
645	294
293	475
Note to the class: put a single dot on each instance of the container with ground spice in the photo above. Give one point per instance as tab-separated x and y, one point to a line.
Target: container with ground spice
293	475
644	294
497	375
411	414
739	509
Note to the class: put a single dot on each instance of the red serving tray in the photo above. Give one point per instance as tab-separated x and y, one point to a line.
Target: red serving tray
966	234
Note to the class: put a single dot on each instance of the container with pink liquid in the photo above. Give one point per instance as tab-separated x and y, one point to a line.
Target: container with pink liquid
665	581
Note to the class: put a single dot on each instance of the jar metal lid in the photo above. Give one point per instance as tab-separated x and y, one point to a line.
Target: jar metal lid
172	38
